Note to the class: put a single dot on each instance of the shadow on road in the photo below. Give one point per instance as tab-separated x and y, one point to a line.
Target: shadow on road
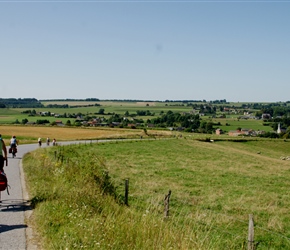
16	158
14	205
5	228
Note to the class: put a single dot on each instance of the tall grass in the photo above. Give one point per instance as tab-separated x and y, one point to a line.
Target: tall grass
77	193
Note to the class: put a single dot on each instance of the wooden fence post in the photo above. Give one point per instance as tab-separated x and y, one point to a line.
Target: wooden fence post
251	245
166	204
126	191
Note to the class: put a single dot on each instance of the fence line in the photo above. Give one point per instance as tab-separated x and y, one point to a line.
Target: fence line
258	227
272	232
246	223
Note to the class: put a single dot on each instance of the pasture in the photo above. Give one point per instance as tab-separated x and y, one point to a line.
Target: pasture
230	123
215	186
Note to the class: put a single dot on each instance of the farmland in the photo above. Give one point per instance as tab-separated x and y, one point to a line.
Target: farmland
77	112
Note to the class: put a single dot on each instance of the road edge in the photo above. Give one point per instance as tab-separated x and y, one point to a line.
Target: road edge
31	242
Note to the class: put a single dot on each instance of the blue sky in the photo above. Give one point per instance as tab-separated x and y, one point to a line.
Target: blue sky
146	50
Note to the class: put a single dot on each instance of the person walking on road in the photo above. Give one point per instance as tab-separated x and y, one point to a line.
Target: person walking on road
3	157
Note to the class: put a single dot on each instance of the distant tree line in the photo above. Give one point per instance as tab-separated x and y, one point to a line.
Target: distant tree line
224	101
72	100
57	106
20	103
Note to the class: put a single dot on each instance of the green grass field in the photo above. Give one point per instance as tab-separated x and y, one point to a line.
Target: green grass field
234	123
215	186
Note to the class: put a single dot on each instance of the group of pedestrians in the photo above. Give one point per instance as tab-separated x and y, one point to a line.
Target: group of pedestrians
47	141
13	144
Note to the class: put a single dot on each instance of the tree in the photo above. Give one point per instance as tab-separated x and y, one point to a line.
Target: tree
77	124
101	111
24	121
42	121
209	127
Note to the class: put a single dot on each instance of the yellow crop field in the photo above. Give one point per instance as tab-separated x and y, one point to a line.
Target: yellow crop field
31	133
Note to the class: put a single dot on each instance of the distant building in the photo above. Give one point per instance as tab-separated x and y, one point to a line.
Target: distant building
131	125
280	130
235	132
218	131
59	123
266	116
247	132
115	124
30	123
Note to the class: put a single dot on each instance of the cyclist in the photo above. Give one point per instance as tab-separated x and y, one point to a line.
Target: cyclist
13	146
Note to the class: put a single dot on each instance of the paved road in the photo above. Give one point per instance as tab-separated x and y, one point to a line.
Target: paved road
14	208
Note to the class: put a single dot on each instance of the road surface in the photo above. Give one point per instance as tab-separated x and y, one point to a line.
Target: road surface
15	206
